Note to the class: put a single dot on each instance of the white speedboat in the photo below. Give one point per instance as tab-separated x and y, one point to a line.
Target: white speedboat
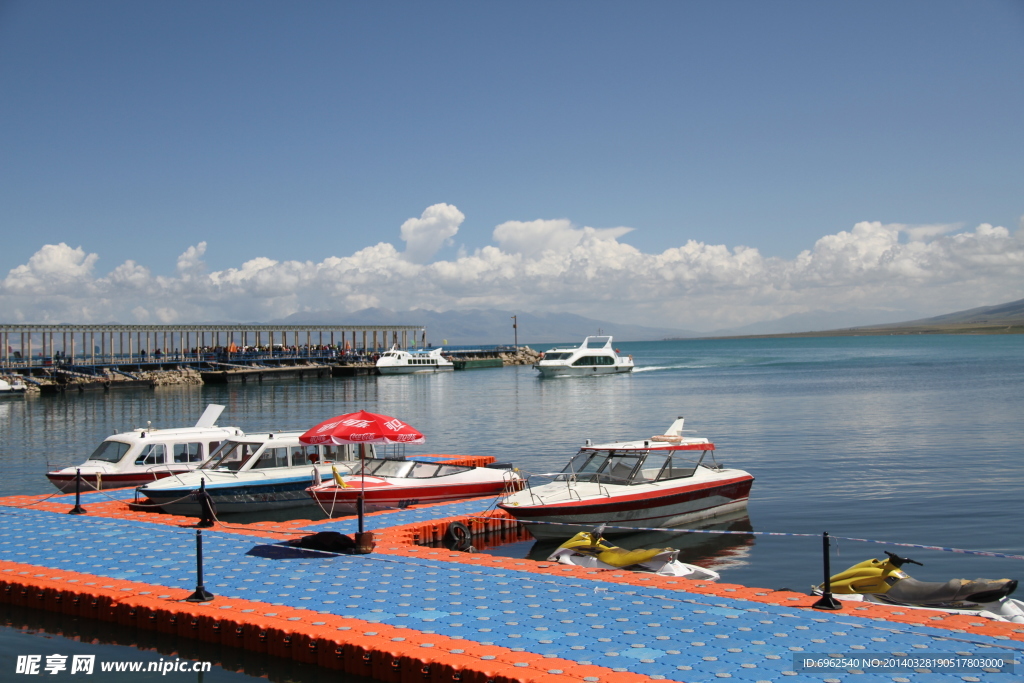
662	481
595	356
589	549
389	483
399	362
255	473
147	455
14	386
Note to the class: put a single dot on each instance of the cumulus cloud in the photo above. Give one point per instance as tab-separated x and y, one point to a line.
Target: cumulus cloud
434	229
533	238
54	267
545	266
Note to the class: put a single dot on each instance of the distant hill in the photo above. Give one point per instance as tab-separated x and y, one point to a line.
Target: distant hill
1009	313
490	326
1005	318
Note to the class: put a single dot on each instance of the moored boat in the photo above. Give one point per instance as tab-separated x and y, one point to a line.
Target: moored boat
254	473
399	483
663	481
12	385
146	455
595	356
399	362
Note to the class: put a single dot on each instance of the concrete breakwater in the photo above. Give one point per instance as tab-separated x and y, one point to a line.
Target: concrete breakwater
62	379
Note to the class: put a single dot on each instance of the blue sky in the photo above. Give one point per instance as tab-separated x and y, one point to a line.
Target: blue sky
257	132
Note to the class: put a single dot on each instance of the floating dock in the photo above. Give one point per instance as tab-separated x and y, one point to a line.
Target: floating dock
409	613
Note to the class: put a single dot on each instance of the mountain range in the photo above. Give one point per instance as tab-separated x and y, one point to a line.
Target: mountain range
491	326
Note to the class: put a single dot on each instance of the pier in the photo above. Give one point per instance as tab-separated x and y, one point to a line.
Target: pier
410	613
38	350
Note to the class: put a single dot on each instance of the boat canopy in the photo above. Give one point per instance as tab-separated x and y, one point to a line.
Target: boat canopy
632	466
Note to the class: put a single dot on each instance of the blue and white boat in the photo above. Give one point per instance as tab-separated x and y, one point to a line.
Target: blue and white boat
255	473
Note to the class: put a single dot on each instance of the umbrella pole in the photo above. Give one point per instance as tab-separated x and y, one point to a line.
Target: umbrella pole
364	540
362	484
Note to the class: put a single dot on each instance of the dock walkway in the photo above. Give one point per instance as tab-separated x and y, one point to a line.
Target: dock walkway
410	613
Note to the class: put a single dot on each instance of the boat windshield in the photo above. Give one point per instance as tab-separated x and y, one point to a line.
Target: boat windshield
556	356
632	466
231	455
110	451
385	468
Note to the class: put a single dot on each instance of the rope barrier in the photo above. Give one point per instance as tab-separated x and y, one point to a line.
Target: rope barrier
982	553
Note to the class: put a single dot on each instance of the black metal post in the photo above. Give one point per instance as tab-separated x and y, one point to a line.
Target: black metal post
78	509
201	594
206	505
827	601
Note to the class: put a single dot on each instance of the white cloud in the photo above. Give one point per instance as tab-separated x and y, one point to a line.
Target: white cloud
434	229
533	238
54	267
545	265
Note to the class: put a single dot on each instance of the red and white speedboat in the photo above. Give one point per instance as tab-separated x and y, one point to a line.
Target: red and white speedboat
401	483
662	481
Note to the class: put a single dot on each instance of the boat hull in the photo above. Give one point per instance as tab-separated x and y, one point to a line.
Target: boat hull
578	371
413	369
234	498
66	481
646	510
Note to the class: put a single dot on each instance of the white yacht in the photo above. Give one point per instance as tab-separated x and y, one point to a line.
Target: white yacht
595	356
399	362
146	455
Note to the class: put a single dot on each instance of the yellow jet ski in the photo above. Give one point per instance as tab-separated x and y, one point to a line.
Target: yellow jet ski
589	549
883	581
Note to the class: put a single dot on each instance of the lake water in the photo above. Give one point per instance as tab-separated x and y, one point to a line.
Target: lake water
912	439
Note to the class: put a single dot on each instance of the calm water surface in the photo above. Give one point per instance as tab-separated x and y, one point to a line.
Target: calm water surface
907	439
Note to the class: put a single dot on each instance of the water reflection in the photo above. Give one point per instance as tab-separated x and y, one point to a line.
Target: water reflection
716	551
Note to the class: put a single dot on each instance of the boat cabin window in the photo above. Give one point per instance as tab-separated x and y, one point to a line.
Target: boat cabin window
271	457
187	452
230	456
110	451
152	454
305	455
594	360
556	356
337	453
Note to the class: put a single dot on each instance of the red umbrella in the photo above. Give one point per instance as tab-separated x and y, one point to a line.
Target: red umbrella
361	427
